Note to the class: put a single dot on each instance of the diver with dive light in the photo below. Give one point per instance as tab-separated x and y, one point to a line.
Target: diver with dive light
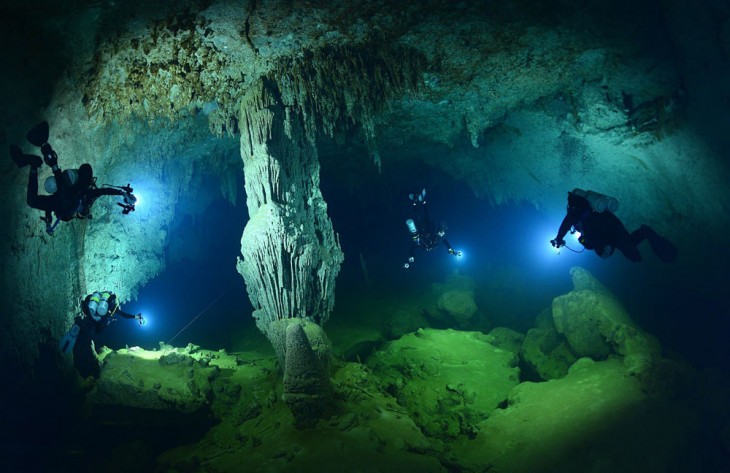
424	233
592	215
98	310
72	192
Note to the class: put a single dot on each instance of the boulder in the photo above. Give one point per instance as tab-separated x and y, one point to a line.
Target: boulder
596	325
547	353
506	339
160	381
446	380
405	320
594	419
454	302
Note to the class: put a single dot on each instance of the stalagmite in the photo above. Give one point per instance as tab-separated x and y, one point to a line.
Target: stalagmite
306	383
290	253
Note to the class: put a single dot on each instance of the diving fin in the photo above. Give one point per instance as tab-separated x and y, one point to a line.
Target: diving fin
38	135
67	342
21	160
663	248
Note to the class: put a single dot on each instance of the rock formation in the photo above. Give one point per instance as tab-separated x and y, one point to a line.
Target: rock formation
596	325
290	253
306	381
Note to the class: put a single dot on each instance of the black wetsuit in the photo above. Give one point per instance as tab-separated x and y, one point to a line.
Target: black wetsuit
69	201
602	232
427	236
84	359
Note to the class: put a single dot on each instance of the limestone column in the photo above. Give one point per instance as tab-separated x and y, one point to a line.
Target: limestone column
290	253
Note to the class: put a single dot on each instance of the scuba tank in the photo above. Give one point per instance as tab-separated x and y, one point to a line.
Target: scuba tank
98	305
599	202
51	185
412	228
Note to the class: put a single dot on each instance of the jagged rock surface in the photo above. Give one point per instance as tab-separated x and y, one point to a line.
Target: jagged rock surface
596	325
447	381
306	381
596	406
454	302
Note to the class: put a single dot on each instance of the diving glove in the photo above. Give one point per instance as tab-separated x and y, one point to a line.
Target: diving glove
49	156
557	243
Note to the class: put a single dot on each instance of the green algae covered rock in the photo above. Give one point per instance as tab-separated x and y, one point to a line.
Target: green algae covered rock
560	423
506	339
184	380
596	325
446	380
367	432
454	301
546	351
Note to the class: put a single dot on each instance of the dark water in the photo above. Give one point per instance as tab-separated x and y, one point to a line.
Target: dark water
199	299
506	251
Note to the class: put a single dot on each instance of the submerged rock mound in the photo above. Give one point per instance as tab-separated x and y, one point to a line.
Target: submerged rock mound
446	380
596	325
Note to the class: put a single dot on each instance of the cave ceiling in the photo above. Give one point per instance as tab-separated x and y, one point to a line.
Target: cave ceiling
475	61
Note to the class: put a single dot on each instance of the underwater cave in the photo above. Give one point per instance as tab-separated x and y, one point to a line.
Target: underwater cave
341	237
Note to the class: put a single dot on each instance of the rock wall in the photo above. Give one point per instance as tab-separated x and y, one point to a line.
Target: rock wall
520	100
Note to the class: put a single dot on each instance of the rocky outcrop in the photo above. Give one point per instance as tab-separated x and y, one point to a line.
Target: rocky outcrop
596	325
169	380
448	381
306	381
546	351
454	303
595	412
506	339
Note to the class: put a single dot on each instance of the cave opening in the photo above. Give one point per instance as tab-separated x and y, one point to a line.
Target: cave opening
198	297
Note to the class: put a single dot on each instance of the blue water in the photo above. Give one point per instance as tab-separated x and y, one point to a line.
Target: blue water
203	300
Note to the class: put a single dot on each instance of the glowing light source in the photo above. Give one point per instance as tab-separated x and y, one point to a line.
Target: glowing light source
148	321
460	256
140	200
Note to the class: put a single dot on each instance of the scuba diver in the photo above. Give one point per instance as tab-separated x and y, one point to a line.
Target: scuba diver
424	233
592	215
73	191
97	312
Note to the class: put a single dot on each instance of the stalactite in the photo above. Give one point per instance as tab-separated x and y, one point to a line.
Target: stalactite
345	86
291	256
290	253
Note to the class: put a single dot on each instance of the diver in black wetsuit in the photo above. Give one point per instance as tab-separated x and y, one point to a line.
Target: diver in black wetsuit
73	192
97	312
424	233
603	232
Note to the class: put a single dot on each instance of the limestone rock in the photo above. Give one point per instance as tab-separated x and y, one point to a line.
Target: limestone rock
459	305
405	320
316	337
368	433
547	353
506	339
596	325
173	382
306	382
596	405
454	304
352	343
446	380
